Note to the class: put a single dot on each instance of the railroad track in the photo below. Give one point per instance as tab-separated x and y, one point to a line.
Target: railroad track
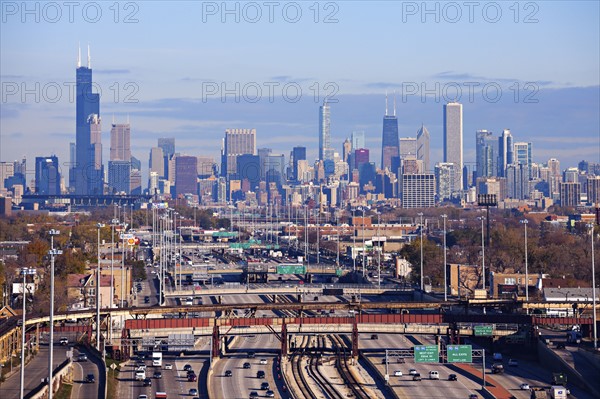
341	363
316	374
299	377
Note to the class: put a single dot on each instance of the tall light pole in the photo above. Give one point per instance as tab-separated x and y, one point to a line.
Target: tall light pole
113	223
379	253
52	252
364	262
444	216
591	227
421	231
99	226
24	271
354	239
524	221
482	253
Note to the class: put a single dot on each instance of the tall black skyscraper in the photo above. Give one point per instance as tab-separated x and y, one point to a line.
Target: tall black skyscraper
88	148
390	143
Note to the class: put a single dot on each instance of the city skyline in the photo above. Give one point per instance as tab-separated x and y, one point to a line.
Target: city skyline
171	99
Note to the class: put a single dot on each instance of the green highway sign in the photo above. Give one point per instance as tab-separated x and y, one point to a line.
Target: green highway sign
459	353
426	354
483	331
291	269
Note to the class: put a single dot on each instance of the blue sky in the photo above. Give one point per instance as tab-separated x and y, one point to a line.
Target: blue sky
533	67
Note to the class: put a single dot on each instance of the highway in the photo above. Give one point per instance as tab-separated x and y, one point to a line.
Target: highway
404	386
243	381
81	388
35	371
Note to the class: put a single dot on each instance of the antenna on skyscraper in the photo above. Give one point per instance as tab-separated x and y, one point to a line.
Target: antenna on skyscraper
386	104
79	56
394	102
89	58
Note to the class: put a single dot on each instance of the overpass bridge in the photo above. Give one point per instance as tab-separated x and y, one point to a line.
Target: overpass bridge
434	318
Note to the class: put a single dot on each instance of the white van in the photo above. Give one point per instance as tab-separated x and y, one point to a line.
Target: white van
398	373
140	375
434	375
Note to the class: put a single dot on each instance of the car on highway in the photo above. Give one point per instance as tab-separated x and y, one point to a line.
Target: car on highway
434	375
168	366
260	374
417	377
412	371
157	374
228	373
398	373
524	386
513	362
193	392
452	377
147	382
64	341
270	394
253	395
82	357
246	365
374	336
142	396
90	378
251	355
264	386
192	377
187	367
146	299
263	361
141	367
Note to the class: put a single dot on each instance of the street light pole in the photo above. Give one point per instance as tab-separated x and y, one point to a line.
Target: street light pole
364	262
482	254
25	272
379	252
444	216
354	240
52	253
99	226
591	226
524	221
421	231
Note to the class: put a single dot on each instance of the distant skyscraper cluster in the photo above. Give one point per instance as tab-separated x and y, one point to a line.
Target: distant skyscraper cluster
404	175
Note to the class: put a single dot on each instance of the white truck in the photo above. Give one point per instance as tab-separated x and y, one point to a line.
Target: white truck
157	359
558	392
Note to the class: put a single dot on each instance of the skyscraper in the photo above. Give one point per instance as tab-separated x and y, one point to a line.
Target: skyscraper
444	178
157	162
120	142
325	150
346	150
167	144
522	153
453	140
298	154
47	175
186	174
486	153
423	146
418	190
408	148
505	152
88	169
237	142
358	140
390	144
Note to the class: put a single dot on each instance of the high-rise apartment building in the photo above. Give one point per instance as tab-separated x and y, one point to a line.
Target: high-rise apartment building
453	140
570	194
418	190
298	154
444	178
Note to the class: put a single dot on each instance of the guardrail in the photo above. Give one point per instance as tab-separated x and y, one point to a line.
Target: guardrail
60	372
